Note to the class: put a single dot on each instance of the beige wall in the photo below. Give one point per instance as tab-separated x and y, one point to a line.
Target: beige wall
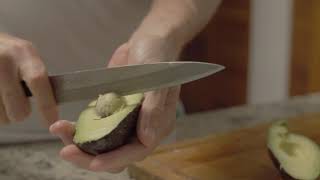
73	34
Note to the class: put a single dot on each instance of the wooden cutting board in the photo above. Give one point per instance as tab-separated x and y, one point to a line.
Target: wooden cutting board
237	155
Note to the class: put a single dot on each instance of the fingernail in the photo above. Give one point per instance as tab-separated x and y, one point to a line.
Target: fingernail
53	127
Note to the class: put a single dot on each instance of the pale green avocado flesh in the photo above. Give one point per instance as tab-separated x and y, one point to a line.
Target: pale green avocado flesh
297	155
92	127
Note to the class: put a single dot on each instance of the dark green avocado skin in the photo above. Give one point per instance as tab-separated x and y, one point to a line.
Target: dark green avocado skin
284	175
116	138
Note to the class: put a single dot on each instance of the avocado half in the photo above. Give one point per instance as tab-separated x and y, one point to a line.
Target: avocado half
107	123
295	156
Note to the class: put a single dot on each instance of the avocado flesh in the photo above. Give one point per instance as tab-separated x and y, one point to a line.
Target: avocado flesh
296	156
95	134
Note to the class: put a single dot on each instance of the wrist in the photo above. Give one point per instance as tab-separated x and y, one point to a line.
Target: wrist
164	31
172	21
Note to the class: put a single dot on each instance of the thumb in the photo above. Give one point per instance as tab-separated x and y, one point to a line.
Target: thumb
157	116
64	130
120	56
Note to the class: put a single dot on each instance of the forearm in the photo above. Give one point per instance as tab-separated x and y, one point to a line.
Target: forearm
178	19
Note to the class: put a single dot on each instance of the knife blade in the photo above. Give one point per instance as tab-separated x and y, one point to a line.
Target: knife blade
129	79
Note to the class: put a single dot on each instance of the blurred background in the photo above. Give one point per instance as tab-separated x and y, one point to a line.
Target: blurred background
269	49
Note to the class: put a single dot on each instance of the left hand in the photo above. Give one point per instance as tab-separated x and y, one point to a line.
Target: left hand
156	118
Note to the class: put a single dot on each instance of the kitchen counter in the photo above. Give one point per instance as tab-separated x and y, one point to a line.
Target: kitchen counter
39	161
223	120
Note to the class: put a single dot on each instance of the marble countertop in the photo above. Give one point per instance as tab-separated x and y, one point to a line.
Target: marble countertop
40	161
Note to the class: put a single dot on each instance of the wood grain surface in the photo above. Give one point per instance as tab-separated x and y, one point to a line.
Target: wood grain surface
305	66
240	155
225	41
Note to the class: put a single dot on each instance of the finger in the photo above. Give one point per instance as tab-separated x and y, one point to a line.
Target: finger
171	110
173	97
3	115
120	56
120	157
151	110
156	99
15	102
35	75
157	117
64	130
77	157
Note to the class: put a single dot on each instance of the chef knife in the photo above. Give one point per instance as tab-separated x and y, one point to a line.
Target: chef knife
129	79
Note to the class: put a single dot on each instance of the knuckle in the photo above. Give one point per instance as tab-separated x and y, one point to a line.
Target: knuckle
17	47
21	46
38	75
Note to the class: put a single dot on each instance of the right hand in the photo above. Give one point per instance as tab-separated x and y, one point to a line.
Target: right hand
20	61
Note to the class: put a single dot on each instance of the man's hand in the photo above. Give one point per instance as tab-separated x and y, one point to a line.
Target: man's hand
169	25
20	61
158	112
157	115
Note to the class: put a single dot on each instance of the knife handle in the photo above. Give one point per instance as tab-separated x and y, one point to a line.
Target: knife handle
25	88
